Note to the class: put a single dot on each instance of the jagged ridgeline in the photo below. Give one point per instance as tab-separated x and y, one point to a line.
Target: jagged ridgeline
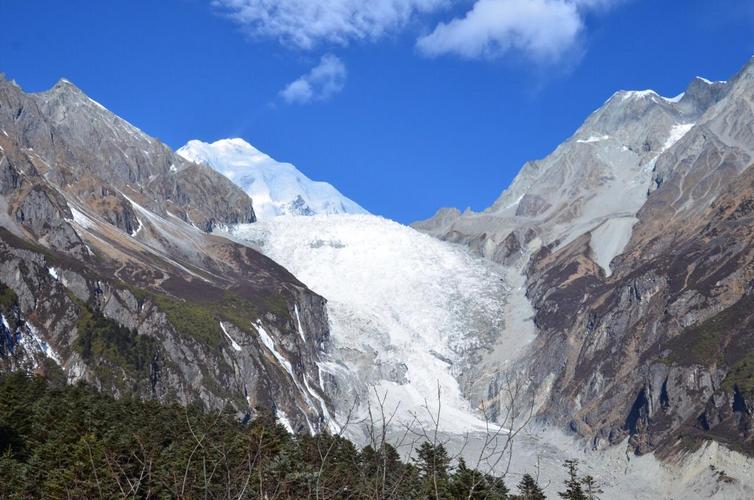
108	268
635	238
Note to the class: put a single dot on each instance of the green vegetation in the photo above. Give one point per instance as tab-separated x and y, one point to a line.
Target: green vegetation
101	339
201	321
60	441
8	299
106	346
721	339
528	489
741	376
189	318
22	244
578	488
705	343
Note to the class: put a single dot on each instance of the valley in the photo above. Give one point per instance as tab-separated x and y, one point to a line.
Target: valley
599	309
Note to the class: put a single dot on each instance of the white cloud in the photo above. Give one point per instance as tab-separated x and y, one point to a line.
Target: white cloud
543	30
305	23
322	82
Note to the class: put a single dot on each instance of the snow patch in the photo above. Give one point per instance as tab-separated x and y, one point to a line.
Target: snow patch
270	345
676	134
54	273
593	138
138	228
232	342
638	94
82	219
332	424
298	323
41	344
515	202
283	419
100	106
161	224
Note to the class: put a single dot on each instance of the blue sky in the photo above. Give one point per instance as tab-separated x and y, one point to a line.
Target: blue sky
416	104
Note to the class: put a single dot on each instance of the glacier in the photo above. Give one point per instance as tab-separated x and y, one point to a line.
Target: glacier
407	312
276	188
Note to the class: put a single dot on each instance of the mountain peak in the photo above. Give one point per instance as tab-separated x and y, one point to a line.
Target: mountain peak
66	85
276	188
67	91
236	141
701	93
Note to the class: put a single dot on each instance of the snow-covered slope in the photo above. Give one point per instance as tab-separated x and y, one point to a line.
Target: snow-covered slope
275	188
407	311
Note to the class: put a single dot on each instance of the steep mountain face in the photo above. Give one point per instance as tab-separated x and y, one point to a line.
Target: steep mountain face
109	269
635	239
63	124
597	180
277	188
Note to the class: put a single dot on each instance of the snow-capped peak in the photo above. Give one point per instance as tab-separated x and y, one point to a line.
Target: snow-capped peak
275	188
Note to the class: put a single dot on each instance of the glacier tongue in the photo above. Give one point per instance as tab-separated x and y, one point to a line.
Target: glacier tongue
406	310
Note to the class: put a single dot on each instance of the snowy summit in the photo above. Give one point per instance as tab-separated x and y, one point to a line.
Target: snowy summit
275	188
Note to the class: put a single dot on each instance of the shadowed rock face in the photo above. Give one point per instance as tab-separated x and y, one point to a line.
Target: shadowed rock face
109	269
651	338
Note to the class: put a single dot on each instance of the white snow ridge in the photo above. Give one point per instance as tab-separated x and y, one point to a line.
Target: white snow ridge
275	188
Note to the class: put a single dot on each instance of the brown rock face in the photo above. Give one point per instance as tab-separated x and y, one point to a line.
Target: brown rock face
109	269
657	345
662	350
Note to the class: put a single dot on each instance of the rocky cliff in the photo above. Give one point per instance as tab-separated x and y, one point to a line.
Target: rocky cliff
635	238
110	270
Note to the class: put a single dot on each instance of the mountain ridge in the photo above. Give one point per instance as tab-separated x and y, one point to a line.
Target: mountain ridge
639	298
124	284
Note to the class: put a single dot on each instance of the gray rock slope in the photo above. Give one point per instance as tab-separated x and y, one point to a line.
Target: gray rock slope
597	180
635	239
109	268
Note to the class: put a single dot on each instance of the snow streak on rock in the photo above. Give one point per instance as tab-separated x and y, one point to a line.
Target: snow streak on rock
232	342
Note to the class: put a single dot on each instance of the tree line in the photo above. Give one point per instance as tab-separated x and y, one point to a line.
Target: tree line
70	441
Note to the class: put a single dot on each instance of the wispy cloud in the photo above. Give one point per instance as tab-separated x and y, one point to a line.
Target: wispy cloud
307	23
541	30
544	31
322	82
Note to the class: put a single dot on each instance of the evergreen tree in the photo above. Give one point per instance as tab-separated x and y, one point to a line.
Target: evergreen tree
433	463
573	491
63	441
529	489
12	475
472	484
591	488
